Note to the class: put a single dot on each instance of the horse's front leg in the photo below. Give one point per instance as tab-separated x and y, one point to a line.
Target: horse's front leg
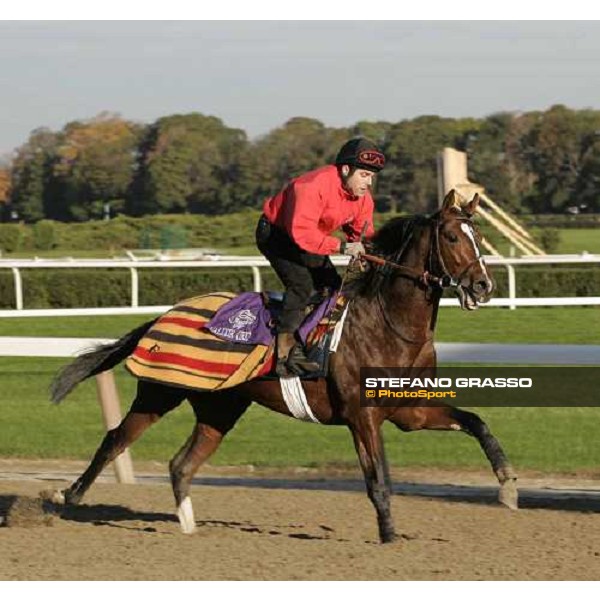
473	425
371	454
450	418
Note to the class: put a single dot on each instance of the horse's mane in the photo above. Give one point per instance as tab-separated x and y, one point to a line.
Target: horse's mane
390	242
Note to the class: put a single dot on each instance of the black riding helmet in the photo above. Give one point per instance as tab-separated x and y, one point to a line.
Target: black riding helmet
362	153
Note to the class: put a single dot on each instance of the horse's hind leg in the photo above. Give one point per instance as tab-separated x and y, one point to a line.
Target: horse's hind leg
203	442
450	418
151	403
216	414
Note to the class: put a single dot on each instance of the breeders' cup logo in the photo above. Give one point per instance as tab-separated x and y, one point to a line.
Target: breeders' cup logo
239	327
242	319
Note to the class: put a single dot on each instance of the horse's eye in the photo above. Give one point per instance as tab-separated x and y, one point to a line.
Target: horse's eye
452	238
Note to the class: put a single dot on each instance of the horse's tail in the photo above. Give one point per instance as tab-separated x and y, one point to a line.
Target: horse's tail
101	358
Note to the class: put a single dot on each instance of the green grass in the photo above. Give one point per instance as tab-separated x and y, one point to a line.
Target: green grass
545	439
105	326
533	325
575	241
572	241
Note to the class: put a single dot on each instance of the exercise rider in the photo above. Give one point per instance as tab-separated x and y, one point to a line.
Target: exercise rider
295	235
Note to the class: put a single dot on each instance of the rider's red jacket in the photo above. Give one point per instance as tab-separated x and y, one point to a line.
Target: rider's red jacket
314	205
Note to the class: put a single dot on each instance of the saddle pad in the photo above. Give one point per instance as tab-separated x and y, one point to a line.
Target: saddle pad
178	350
328	322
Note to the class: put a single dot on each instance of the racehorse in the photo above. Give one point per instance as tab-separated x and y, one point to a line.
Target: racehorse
390	322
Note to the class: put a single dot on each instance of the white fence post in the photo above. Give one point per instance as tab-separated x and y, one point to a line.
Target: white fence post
135	287
18	288
257	279
111	415
512	285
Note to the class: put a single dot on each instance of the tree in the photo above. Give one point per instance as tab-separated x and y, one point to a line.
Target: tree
4	185
30	175
411	149
302	144
561	153
376	131
95	165
497	159
188	163
587	190
536	161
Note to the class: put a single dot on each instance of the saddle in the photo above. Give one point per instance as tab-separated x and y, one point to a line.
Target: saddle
250	318
322	313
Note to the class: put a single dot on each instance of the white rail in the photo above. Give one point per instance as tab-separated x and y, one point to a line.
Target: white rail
255	264
447	352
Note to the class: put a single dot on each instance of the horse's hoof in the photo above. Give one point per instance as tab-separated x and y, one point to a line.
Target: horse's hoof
55	496
185	514
71	499
509	495
389	537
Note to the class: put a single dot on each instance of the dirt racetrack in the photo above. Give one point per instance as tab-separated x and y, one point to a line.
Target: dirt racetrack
250	532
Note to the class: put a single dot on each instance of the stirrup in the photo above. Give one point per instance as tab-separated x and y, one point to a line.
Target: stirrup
299	364
281	369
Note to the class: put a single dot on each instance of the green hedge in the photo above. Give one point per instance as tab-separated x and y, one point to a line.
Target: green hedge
81	288
195	231
122	233
549	281
73	288
585	221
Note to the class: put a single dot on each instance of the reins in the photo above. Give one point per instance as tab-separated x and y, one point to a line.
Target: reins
425	277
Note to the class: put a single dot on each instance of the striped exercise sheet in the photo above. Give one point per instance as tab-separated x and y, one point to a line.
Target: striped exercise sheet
178	350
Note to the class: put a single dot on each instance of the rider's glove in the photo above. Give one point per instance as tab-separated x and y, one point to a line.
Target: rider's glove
353	249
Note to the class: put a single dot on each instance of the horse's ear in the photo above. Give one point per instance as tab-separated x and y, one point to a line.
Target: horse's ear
451	201
471	207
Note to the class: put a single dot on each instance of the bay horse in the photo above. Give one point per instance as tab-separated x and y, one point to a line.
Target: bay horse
390	322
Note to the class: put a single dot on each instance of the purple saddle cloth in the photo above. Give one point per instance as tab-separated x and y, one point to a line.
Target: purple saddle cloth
246	320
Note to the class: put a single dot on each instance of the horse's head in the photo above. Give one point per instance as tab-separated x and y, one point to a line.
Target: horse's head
436	251
456	251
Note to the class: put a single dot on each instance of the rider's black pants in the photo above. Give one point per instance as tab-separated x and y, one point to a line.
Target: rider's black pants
300	272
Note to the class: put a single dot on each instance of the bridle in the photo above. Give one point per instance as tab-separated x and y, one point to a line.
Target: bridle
426	277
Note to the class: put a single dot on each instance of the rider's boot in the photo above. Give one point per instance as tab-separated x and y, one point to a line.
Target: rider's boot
285	342
299	364
291	359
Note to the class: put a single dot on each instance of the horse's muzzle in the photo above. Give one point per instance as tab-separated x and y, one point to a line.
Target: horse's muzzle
475	293
483	289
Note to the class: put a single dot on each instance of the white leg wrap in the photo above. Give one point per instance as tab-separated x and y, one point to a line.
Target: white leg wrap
185	514
58	497
55	496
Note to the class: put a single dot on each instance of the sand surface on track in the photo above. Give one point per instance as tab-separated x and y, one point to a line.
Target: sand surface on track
130	533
